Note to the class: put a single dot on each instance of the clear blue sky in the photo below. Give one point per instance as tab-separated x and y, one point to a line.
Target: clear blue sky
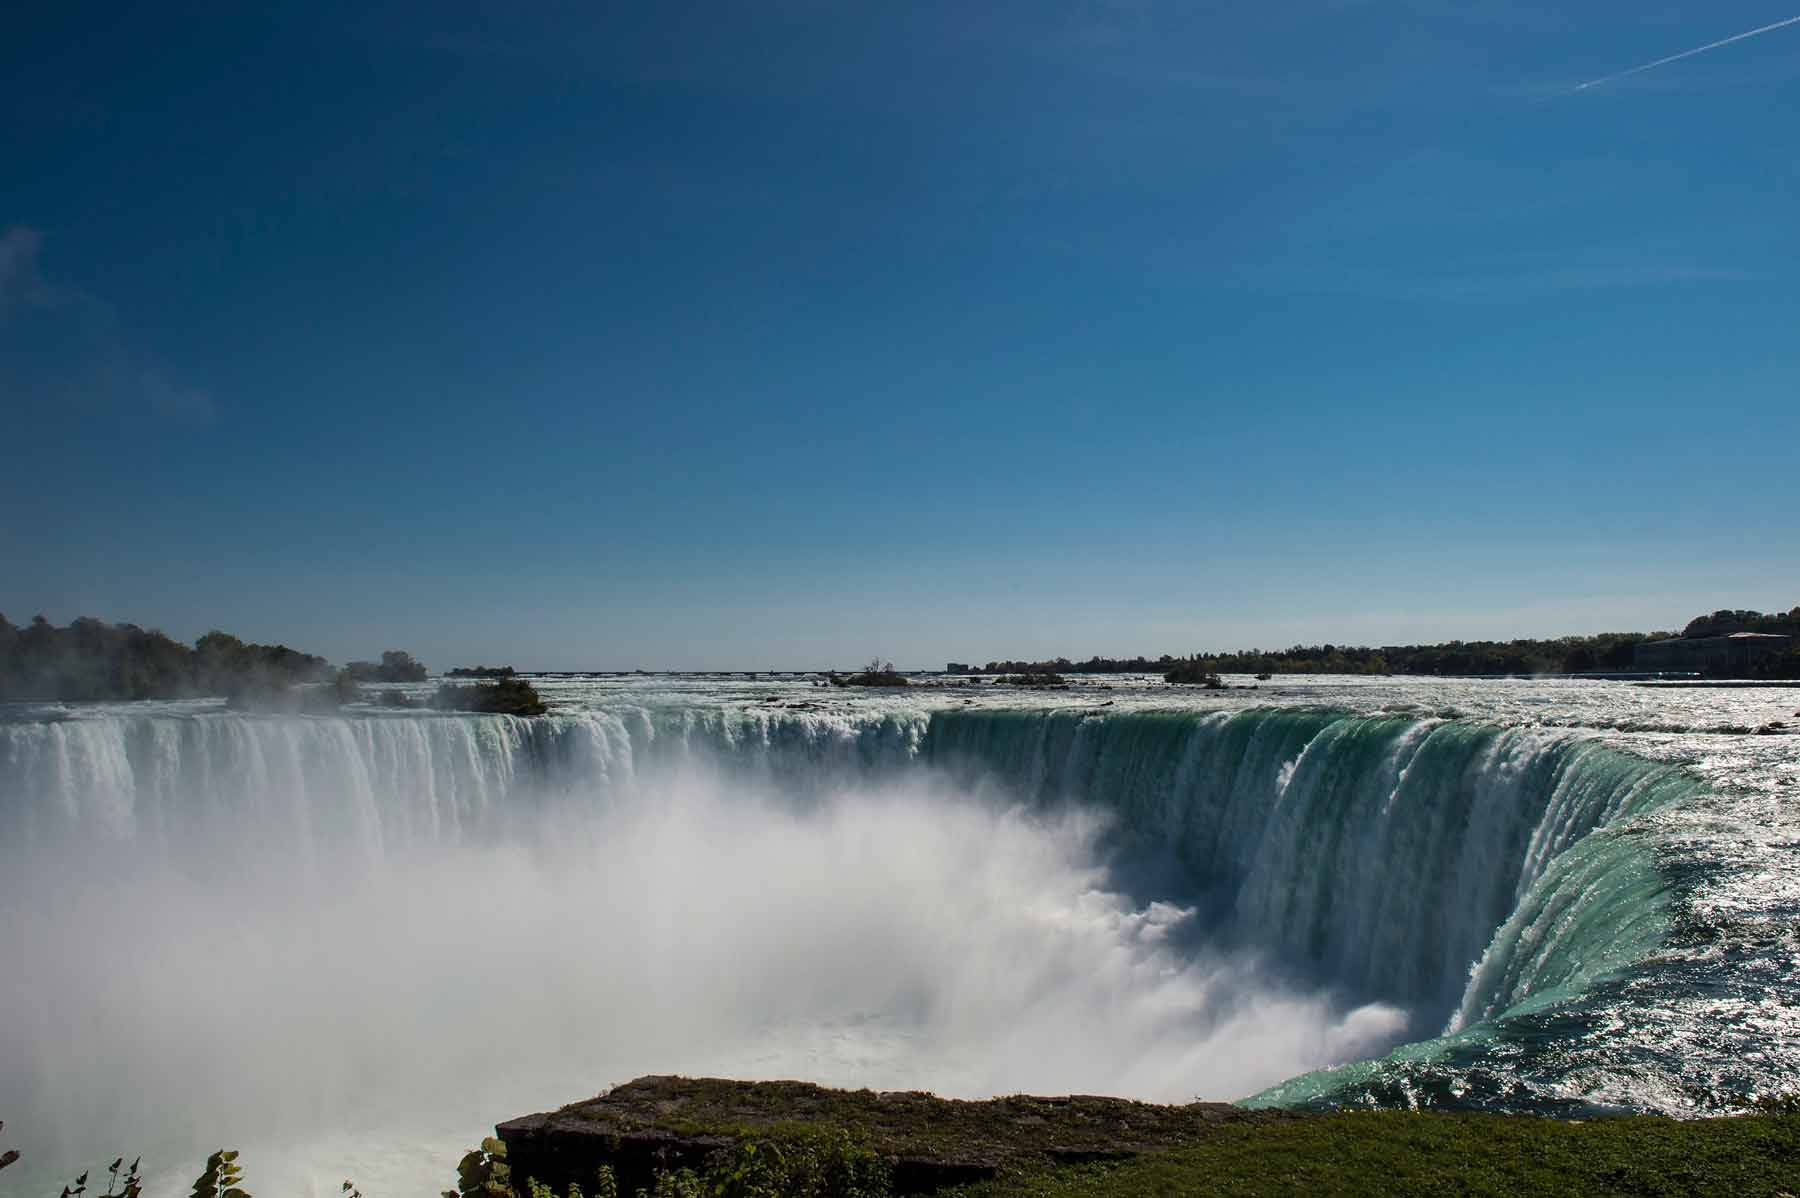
754	335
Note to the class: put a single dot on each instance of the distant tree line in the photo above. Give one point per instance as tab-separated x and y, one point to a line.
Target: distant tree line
1607	652
1725	622
1062	665
482	672
1611	651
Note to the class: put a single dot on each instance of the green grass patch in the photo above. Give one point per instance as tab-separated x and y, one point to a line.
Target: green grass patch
1400	1154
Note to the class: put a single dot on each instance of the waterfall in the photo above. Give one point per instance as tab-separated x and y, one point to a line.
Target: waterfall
1430	861
1383	853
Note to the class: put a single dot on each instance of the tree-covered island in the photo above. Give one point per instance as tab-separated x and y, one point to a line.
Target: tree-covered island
505	696
876	673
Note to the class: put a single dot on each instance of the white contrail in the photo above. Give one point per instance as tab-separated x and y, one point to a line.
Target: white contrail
1736	37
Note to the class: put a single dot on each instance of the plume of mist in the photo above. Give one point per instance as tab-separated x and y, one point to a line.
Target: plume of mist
376	1015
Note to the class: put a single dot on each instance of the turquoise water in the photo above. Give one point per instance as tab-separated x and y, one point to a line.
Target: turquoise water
1565	897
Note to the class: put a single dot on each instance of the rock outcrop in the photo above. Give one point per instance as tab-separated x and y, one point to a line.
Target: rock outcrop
672	1122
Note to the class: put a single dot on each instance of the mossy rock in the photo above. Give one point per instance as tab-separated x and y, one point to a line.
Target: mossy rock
668	1123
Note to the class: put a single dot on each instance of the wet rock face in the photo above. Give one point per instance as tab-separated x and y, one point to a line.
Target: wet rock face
671	1122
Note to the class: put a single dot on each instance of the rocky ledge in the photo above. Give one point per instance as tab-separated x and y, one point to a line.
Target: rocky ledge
674	1122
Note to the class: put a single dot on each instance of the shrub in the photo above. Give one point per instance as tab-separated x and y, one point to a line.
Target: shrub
815	1163
681	1183
483	1172
222	1177
1194	672
810	1162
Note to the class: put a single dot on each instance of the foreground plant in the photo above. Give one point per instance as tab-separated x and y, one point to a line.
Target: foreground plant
222	1177
483	1173
815	1163
122	1182
805	1162
130	1185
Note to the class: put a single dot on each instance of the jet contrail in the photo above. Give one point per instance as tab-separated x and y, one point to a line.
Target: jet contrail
1736	37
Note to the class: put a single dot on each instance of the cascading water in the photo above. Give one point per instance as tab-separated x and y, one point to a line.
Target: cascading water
959	896
308	786
1379	852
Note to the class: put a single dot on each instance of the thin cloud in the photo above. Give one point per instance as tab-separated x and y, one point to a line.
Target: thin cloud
183	405
20	284
1725	41
92	364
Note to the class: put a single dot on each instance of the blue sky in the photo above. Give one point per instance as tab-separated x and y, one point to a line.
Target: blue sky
789	334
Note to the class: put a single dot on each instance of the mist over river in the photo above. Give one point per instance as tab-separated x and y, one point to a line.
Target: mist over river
348	945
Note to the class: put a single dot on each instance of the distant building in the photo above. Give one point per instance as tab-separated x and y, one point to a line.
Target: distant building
1732	653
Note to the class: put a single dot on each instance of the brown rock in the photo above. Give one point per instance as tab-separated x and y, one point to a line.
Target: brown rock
672	1122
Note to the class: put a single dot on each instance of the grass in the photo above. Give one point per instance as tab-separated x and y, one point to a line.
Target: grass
1027	1147
1403	1154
